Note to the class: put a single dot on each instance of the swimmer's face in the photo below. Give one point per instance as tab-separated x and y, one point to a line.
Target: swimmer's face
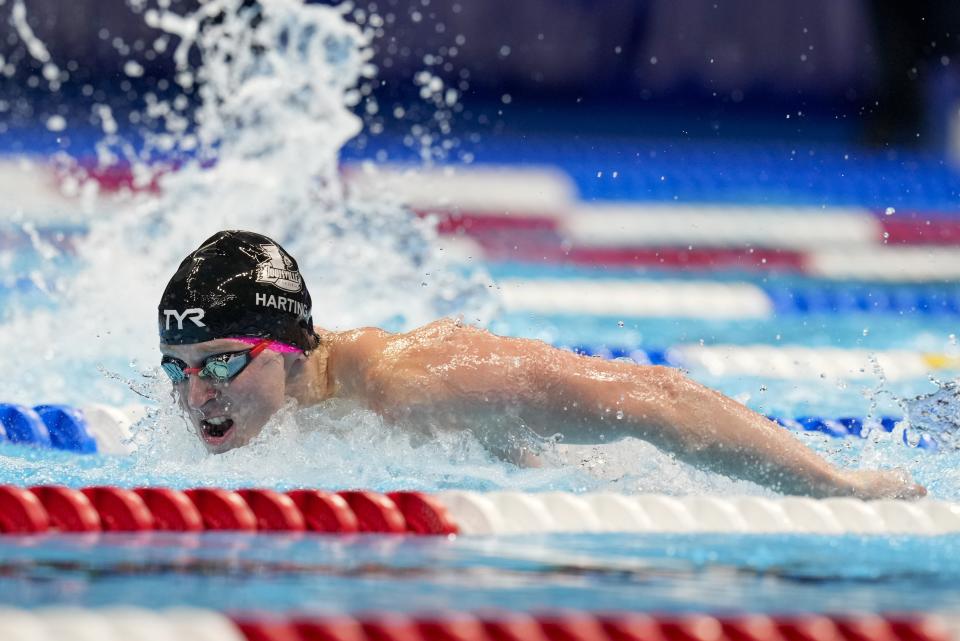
228	415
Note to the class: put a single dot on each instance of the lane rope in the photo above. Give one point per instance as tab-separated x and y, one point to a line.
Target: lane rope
105	429
58	509
177	624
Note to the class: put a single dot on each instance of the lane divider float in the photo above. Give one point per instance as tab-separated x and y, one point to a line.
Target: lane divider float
106	430
784	362
58	509
62	509
177	624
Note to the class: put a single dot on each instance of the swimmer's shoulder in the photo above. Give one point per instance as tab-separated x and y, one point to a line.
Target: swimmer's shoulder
355	345
351	355
447	337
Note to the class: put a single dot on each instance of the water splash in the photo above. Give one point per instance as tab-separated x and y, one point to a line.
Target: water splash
273	84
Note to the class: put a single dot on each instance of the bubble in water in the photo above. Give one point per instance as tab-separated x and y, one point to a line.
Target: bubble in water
889	211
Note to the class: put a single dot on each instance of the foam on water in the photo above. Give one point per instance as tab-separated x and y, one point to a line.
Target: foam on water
262	154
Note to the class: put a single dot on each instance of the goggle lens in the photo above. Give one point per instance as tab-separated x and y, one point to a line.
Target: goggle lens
221	368
174	371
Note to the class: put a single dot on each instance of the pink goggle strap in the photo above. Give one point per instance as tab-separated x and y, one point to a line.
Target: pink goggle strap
275	346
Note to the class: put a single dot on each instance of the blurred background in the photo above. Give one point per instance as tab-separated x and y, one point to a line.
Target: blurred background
875	72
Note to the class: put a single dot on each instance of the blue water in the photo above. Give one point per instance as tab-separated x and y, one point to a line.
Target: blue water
676	573
637	572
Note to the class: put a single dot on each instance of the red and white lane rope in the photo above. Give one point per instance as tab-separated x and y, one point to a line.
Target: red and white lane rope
110	509
137	624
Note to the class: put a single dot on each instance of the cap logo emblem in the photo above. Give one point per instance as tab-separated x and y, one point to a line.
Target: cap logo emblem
194	314
277	270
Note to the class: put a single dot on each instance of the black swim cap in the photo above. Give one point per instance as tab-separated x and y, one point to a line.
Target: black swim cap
237	283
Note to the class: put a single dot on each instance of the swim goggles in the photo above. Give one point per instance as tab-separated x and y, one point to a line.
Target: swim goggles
219	368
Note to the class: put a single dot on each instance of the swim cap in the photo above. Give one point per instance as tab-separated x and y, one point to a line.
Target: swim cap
237	283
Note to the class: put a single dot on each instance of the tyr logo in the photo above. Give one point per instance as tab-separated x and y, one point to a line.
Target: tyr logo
194	313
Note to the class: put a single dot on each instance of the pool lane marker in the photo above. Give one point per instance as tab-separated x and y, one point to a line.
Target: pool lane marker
106	430
47	509
784	361
180	624
65	510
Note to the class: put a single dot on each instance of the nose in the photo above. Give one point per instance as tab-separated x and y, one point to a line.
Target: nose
199	391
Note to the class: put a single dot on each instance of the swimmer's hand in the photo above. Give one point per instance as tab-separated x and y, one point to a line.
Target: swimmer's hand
884	484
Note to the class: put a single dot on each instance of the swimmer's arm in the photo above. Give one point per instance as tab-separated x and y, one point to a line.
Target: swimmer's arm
698	425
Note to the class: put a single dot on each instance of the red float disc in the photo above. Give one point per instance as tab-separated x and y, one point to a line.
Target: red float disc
274	512
632	627
459	627
691	628
69	509
513	627
120	510
267	630
325	512
919	629
390	627
423	513
577	626
808	628
865	628
375	512
21	512
334	628
172	510
223	509
750	628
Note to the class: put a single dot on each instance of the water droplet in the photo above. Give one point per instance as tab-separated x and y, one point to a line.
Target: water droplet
889	211
619	323
866	331
619	415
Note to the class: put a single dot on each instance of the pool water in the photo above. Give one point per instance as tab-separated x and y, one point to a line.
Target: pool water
84	316
347	447
328	575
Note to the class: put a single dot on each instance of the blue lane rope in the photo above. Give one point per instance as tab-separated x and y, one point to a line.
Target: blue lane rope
64	427
926	300
848	426
67	428
55	426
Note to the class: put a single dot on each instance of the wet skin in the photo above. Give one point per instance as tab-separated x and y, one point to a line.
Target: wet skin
451	376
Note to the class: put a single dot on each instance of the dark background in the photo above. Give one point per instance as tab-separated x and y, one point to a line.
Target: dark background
881	72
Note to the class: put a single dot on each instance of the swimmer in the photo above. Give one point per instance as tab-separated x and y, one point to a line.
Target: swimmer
237	340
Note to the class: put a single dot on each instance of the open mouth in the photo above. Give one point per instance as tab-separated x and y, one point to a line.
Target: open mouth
215	430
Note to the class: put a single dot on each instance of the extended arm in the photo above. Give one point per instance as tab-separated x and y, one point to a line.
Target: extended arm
698	425
458	377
